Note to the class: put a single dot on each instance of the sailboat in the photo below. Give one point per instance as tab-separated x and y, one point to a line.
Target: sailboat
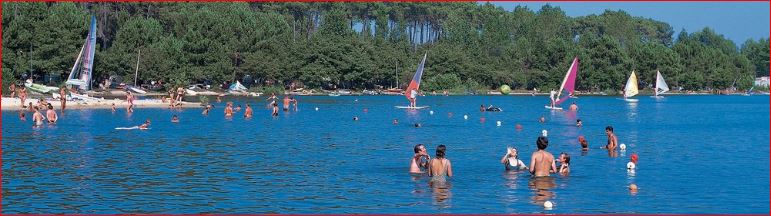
415	85
568	86
749	92
631	88
661	86
81	72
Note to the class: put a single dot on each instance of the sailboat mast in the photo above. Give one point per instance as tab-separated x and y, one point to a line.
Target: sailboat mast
136	72
397	73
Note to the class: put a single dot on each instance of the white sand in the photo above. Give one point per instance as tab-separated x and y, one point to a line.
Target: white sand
15	103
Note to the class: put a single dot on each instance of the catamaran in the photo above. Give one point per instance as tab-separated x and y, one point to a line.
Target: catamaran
568	86
82	70
631	88
415	85
661	86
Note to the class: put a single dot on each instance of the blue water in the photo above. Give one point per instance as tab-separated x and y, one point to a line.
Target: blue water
698	154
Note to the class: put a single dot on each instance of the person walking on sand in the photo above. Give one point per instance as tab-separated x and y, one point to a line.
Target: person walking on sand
63	97
130	99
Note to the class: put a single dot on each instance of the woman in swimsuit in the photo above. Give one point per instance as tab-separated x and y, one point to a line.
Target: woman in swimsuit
440	166
511	160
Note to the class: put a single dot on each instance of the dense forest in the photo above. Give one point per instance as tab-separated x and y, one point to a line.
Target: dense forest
470	46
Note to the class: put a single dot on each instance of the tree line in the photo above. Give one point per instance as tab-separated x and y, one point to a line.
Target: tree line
470	46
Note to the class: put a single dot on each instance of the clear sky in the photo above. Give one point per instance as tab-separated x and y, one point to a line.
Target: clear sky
737	21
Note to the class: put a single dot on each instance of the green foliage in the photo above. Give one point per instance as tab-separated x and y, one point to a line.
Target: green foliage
471	47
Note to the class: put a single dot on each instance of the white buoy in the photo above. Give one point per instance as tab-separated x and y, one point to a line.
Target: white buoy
317	109
548	204
631	166
465	117
431	112
622	147
498	123
544	133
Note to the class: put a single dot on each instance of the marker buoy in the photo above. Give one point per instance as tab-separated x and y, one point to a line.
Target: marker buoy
431	112
622	147
630	165
317	109
465	117
498	123
545	133
365	110
548	204
482	119
518	127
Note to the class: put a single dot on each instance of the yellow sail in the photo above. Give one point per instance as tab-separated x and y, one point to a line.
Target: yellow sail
631	86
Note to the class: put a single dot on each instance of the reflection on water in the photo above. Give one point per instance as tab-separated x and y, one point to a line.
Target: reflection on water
441	193
541	187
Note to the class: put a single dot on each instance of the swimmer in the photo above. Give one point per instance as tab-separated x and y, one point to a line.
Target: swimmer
31	107
206	109
355	118
294	103
396	121
419	161
175	119
51	114
564	160
22	116
511	160
578	123
612	139
542	119
584	143
573	107
481	108
145	125
248	111
238	108
417	125
542	162
37	117
440	166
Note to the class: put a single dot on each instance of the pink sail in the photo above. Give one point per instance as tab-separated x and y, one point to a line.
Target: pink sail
569	83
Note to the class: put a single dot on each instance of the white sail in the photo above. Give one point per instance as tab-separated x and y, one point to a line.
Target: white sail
661	85
631	86
82	71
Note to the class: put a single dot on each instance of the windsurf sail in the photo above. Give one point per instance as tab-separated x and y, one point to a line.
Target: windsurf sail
568	83
631	86
661	86
415	83
81	72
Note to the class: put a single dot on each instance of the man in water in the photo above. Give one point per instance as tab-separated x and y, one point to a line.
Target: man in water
579	123
542	162
238	108
206	109
573	107
481	108
413	95
145	125
37	117
612	139
22	116
294	103
275	108
542	119
419	161
396	121
51	114
552	94
286	103
174	119
248	111
584	143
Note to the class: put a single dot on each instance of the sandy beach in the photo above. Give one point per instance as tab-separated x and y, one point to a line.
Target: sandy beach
9	104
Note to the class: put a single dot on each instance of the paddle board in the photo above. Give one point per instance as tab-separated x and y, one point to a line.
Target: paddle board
409	107
553	108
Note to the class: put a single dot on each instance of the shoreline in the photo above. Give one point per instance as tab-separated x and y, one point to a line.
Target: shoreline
13	104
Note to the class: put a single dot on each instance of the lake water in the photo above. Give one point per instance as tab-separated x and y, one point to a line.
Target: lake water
698	154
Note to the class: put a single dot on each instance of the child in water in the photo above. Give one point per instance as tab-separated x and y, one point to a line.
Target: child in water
564	160
511	160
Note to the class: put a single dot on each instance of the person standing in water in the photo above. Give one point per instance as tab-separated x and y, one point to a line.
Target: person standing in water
612	139
564	160
542	162
51	114
419	161
584	143
286	103
37	117
275	108
130	99
113	107
63	97
229	110
440	166
248	111
294	103
573	107
511	160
